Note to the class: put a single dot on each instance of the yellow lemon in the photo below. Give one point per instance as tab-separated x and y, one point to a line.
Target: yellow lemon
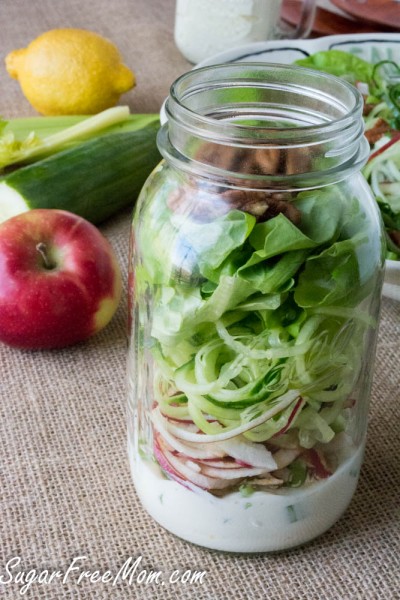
70	71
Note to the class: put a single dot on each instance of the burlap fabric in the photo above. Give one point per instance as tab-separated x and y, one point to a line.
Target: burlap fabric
65	489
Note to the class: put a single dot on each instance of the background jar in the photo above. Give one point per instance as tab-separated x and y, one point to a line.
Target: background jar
256	270
205	27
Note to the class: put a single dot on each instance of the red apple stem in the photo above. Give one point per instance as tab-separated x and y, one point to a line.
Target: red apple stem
42	249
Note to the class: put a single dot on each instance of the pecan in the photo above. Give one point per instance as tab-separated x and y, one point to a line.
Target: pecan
298	160
223	157
207	204
263	205
368	106
377	131
255	161
395	237
266	161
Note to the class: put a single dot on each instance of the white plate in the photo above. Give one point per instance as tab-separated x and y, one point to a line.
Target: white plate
371	47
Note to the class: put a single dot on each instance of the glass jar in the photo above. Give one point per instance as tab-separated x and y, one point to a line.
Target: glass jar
205	27
255	277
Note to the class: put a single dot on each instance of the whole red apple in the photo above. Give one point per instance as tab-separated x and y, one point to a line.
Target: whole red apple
59	280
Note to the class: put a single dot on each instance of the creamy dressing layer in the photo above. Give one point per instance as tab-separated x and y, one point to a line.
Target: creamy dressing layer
205	27
261	522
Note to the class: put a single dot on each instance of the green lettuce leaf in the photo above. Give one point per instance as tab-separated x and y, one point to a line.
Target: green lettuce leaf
343	64
330	277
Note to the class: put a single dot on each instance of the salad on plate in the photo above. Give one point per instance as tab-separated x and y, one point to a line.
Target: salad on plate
380	86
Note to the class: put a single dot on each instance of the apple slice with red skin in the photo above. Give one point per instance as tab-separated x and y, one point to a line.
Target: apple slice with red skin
60	281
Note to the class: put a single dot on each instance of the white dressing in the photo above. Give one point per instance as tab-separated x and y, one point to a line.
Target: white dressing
264	521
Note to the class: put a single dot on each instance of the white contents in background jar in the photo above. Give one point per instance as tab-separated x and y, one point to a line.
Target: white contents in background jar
206	27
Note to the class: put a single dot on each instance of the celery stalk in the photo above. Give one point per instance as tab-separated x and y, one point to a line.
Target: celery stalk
28	140
21	127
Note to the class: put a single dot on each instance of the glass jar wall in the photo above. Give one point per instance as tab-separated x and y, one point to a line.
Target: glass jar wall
255	276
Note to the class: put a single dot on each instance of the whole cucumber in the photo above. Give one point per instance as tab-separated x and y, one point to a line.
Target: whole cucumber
94	180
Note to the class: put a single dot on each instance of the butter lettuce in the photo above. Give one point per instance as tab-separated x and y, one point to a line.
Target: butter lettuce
343	64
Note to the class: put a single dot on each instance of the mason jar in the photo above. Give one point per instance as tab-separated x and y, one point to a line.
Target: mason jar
256	268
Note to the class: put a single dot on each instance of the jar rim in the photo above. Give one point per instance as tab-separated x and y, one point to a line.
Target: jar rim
284	125
263	75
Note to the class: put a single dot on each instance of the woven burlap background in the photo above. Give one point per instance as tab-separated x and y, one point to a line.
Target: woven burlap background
65	488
